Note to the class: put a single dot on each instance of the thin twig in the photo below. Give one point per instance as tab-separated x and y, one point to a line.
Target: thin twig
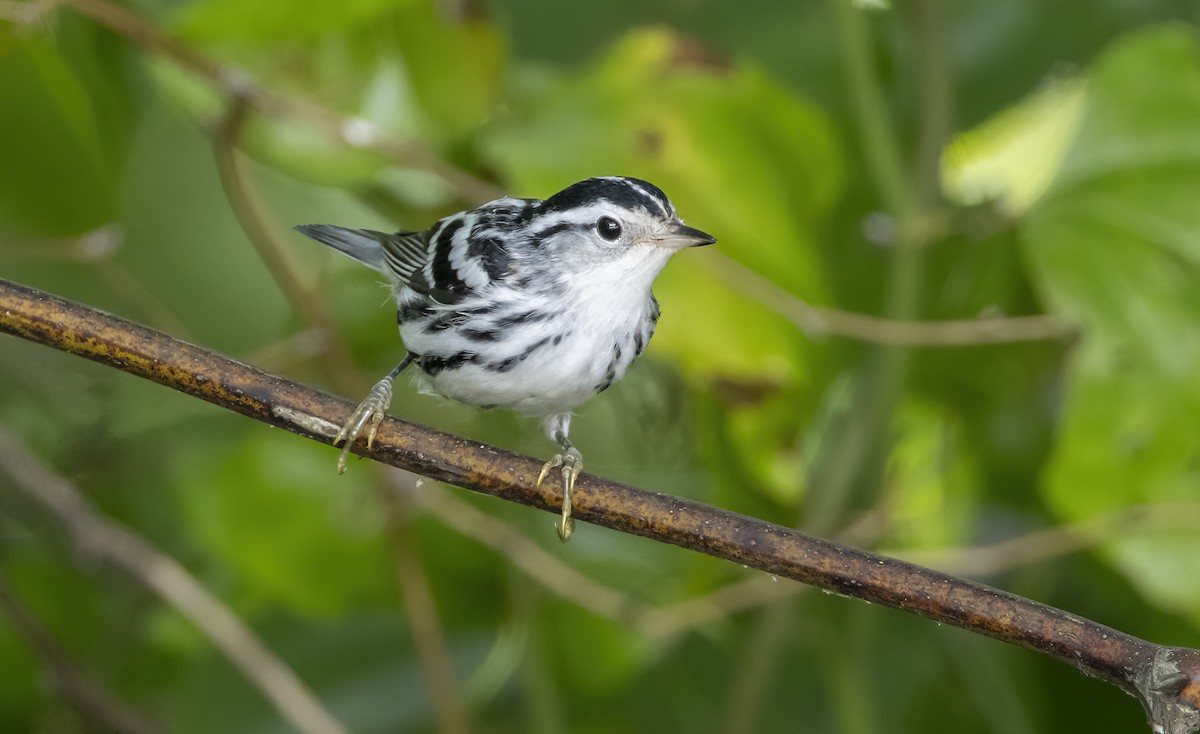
103	539
665	623
449	707
936	107
1041	545
97	251
1165	679
266	235
905	202
881	153
819	320
763	648
545	568
300	346
29	13
90	697
352	132
851	467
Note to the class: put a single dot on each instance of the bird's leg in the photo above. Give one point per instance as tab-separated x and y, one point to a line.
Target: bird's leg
571	462
369	413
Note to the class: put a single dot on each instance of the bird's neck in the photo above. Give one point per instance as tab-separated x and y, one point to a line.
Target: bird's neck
619	291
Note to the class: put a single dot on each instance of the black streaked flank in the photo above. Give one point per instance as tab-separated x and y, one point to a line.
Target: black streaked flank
432	364
411	311
499	286
523	317
505	365
445	321
534	347
609	377
482	310
480	335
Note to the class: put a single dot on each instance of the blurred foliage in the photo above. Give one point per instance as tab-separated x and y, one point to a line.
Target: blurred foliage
1069	187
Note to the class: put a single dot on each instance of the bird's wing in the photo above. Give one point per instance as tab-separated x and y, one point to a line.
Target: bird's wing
405	253
465	256
399	255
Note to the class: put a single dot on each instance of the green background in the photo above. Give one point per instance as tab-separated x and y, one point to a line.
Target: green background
923	160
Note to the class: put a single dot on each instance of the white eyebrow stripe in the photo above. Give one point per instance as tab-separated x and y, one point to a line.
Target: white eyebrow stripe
644	192
582	216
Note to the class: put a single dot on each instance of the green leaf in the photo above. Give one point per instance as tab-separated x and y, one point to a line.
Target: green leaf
1129	439
411	75
605	655
58	166
290	143
1115	245
1015	156
739	336
267	20
273	512
933	487
739	155
770	457
455	71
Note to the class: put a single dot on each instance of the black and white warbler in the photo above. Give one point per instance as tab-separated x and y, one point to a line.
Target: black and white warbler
531	305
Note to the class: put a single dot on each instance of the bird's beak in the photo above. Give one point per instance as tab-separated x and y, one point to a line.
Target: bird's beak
679	236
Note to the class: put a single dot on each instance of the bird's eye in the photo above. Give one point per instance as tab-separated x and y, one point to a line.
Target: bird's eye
609	228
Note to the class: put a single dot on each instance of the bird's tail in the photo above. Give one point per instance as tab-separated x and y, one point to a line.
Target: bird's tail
363	245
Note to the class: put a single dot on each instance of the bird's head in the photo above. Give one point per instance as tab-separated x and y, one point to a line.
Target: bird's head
613	224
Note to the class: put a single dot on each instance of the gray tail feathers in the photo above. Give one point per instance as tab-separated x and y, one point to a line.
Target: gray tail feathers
361	244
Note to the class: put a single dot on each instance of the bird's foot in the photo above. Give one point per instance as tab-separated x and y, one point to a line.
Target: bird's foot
369	414
571	462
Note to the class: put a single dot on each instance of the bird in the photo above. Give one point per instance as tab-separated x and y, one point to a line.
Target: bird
531	305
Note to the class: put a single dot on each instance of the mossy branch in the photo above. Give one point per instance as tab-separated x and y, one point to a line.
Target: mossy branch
1165	679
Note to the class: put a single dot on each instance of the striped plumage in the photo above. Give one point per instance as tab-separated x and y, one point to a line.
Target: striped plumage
531	305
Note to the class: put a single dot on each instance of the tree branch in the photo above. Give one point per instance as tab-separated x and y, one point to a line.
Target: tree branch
1165	679
265	234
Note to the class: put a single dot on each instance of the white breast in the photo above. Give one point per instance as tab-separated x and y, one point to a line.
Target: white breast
588	341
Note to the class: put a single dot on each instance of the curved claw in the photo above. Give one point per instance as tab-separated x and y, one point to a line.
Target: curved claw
545	472
567	526
572	467
369	413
